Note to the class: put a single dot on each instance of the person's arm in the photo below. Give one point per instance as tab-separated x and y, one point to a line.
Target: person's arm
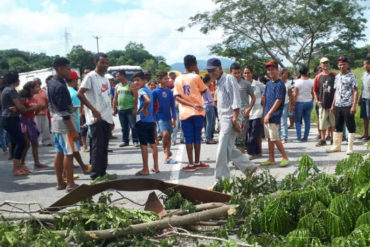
292	99
146	104
355	98
81	95
188	103
249	109
236	102
333	104
272	110
173	110
115	102
135	93
19	107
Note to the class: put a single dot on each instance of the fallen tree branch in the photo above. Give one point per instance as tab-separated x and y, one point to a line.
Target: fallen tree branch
199	207
23	216
193	218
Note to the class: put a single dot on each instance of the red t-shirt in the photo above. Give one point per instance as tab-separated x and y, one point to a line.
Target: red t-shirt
30	114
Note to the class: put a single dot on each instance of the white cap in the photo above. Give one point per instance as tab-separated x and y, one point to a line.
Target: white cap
108	76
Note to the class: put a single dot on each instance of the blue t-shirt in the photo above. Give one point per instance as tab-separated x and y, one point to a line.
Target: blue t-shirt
150	119
76	103
166	102
273	91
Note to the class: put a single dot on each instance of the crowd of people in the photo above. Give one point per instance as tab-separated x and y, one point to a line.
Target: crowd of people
241	107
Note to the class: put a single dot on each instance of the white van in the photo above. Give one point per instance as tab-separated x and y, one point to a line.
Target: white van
129	69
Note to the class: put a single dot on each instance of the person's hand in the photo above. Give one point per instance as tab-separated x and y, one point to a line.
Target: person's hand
173	123
75	135
319	103
145	112
236	126
353	110
246	112
112	126
266	119
134	111
332	110
114	112
13	109
198	107
96	115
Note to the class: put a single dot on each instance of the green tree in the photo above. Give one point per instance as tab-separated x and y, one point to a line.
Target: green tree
18	64
81	58
292	30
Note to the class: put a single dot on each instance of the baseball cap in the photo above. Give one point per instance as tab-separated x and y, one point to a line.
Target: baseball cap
73	75
324	59
342	59
271	63
108	76
213	63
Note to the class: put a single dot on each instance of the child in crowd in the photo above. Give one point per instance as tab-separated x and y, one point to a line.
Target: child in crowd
152	85
166	109
210	111
145	124
28	125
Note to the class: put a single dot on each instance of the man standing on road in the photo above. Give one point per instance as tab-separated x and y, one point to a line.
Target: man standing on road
94	93
63	122
365	99
246	95
41	118
228	105
344	106
188	91
324	94
125	100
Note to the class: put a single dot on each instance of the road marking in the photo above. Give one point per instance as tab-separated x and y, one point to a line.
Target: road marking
176	168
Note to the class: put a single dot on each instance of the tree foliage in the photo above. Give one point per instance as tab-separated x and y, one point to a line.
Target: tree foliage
275	29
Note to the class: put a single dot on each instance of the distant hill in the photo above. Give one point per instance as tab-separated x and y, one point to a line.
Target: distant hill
202	64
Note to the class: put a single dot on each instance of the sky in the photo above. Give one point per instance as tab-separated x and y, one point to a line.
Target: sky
41	25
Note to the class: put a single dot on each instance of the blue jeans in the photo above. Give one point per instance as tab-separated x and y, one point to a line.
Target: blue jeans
303	109
178	127
211	121
283	131
3	139
127	121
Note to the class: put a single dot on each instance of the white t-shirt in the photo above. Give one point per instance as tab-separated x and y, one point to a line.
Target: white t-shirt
257	109
288	86
98	96
366	85
304	90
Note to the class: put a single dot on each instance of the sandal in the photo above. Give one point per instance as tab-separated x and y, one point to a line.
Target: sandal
155	171
24	168
40	166
70	189
87	170
20	172
139	173
58	187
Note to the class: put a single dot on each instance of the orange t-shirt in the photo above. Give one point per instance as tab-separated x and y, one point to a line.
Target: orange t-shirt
42	99
189	87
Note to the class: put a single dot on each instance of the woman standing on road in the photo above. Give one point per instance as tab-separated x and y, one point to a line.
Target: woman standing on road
303	103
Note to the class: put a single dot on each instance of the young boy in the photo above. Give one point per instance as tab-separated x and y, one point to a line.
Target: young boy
273	102
164	96
145	125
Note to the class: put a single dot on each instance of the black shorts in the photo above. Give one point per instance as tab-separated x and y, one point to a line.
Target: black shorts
145	132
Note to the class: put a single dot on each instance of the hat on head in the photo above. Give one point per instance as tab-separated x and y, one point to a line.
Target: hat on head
342	59
324	59
108	76
271	63
73	75
213	63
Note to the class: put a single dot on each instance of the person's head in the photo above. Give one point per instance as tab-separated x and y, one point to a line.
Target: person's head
110	79
32	88
62	67
72	81
152	85
24	95
47	80
324	63
11	79
172	75
304	71
207	79
148	75
343	64
214	68
86	71
272	69
162	78
317	70
284	74
121	76
235	71
190	63
38	81
262	79
248	73
139	79
367	64
101	62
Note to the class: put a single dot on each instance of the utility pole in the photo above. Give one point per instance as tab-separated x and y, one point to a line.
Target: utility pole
66	40
97	42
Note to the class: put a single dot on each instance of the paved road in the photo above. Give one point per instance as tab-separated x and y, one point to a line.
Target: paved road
125	162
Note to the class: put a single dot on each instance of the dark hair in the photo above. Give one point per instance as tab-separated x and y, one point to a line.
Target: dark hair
24	94
61	62
121	72
282	71
99	55
140	75
28	86
304	70
367	59
37	80
250	69
11	77
172	73
234	66
316	69
48	78
161	74
190	60
206	78
262	79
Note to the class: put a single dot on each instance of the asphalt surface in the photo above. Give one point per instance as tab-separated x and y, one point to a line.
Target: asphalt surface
125	162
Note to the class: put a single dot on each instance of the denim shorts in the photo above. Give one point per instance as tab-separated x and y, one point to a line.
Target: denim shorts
365	108
164	125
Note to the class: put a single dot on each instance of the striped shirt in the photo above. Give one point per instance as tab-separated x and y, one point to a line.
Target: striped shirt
228	96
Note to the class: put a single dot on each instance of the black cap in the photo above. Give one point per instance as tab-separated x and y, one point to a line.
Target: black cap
343	59
213	63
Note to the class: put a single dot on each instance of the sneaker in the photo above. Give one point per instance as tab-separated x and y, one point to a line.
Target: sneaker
201	166
284	163
189	168
171	161
124	144
136	144
267	163
321	143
